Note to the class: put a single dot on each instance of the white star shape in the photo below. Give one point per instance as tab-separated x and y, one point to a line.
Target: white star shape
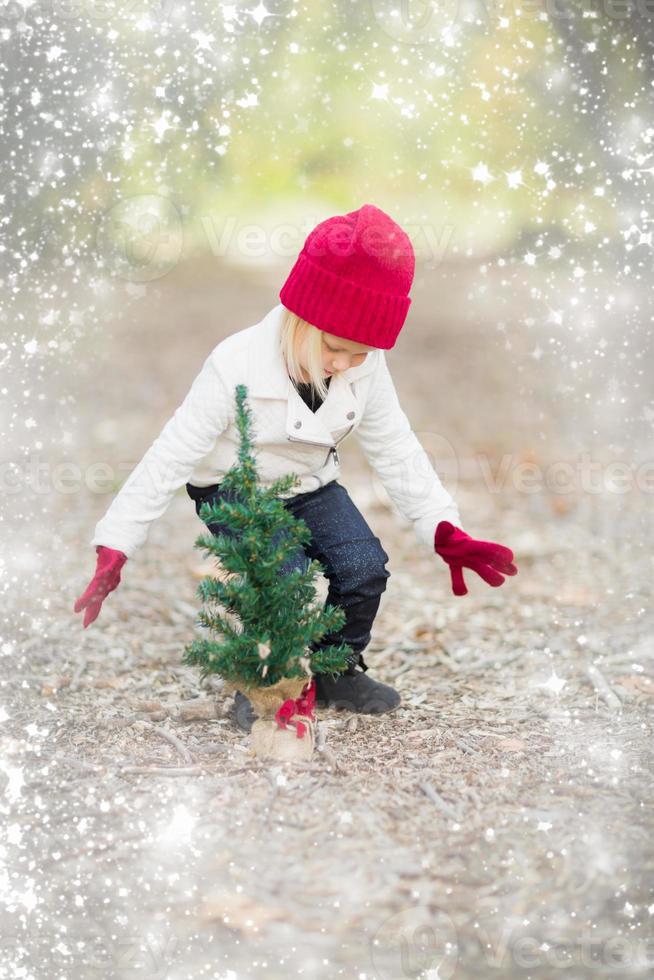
259	14
204	40
555	684
161	125
379	91
482	174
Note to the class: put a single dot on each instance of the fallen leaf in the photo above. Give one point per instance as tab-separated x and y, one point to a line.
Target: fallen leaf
54	684
107	682
636	682
511	744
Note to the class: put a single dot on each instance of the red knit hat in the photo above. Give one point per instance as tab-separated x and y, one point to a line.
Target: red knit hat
353	276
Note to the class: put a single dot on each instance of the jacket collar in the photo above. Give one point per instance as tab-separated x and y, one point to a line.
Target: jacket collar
269	378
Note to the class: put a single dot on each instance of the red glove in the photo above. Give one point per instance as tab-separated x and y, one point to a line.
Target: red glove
486	558
105	580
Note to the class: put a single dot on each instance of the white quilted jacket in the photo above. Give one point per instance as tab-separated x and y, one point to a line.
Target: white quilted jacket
200	442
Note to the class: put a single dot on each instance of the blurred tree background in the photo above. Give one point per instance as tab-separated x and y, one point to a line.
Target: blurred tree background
480	125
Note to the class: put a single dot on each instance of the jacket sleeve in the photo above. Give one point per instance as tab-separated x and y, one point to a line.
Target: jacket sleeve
166	466
395	453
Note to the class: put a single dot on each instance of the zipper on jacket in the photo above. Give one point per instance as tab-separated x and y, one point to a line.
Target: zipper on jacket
332	449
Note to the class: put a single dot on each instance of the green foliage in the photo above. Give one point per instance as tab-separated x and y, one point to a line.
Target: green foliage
390	103
263	624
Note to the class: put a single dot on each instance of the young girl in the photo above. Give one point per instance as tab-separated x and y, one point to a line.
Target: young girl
315	371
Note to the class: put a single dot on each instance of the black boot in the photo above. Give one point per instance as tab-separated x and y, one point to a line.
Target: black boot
355	691
243	714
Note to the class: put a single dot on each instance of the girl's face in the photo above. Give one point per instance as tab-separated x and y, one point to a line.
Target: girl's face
338	354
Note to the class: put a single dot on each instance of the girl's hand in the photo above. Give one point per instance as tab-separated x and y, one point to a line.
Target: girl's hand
105	580
459	550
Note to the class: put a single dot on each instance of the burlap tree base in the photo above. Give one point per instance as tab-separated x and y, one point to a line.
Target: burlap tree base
285	727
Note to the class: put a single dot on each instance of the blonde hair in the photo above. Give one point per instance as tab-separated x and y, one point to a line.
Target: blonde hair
293	331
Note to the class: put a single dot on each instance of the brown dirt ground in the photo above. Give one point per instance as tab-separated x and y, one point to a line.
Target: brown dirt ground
499	823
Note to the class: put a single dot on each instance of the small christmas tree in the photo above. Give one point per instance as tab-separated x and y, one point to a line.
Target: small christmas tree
265	623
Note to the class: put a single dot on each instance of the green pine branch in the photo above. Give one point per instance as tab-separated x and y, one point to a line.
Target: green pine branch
262	625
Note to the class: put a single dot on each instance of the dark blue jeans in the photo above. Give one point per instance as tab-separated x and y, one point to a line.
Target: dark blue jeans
342	541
